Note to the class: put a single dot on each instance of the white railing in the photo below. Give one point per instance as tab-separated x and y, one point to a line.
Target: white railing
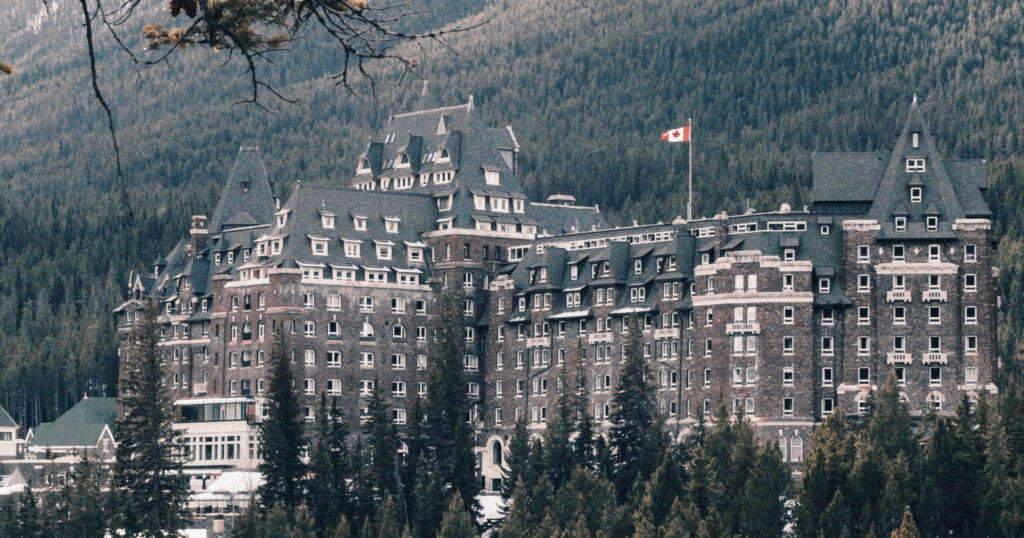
540	341
749	327
596	338
199	388
935	358
899	358
666	333
933	295
897	295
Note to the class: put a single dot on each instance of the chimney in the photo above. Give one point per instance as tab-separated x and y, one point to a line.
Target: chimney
199	234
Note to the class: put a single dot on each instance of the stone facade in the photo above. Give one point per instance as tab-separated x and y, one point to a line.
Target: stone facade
784	317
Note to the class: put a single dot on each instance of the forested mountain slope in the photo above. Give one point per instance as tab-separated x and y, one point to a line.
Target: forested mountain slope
587	84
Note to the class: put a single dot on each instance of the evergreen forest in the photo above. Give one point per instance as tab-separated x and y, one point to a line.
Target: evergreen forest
587	84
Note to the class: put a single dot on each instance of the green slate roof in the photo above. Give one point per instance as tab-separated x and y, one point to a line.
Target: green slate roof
79	426
5	419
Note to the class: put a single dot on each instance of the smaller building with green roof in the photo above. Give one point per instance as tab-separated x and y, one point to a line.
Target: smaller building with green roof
86	427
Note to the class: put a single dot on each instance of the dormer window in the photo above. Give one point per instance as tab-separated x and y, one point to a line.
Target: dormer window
275	246
789	255
231	257
282	219
216	260
915	195
915	165
491	177
519	205
480	202
543	275
574	272
359	223
499	204
900	223
383	252
415	254
638	266
932	223
319	246
443	156
327	221
364	166
352	249
403	159
915	140
391	224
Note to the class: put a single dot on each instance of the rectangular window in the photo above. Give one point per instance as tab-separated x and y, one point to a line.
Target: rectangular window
900	223
971	345
826	345
787	407
970	282
934	314
971	314
863	315
824	285
787	282
787	376
864	375
864	345
915	195
899	315
898	253
827	406
899	344
787	345
970	253
935	376
931	224
826	377
863	254
915	165
863	283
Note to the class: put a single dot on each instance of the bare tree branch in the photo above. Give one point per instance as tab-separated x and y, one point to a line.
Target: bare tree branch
103	103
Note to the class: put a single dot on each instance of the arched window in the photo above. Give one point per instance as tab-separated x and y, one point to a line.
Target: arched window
234	331
796	446
367	330
496	453
246	331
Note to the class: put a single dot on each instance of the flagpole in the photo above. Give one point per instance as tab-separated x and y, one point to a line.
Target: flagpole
689	196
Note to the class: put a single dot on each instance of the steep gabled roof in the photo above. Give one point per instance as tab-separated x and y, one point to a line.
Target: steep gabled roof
246	198
5	419
80	426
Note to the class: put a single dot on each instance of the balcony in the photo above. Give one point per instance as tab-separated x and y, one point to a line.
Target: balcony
671	332
933	295
600	338
935	358
897	295
199	388
898	358
750	327
540	341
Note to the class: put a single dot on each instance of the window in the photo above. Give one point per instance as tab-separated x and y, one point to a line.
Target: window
934	253
749	406
932	223
934	314
826	345
309	357
366	304
864	283
826	377
787	315
737	376
863	345
934	282
971	345
638	267
899	344
827	406
707	377
309	329
787	407
898	282
787	376
398	361
352	249
366	359
915	194
899	315
788	255
935	376
787	282
710	316
707	346
970	253
319	247
864	375
900	373
971	314
898	253
398	416
333	359
383	252
900	223
787	345
796	449
828	316
915	140
970	282
863	254
863	315
310	386
824	229
421	362
359	223
971	375
915	165
824	285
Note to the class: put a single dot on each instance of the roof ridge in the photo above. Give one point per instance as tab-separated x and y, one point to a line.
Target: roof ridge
349	188
429	110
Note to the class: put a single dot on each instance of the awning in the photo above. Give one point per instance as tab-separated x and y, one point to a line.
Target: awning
733	243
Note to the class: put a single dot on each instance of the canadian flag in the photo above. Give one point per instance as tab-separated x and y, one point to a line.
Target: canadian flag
681	134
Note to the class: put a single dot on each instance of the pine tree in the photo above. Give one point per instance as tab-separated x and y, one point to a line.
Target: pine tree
516	462
584	446
147	473
559	459
327	493
386	521
415	442
29	518
430	495
450	435
637	435
281	433
343	529
383	443
667	483
456	522
826	470
907	527
762	504
80	514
